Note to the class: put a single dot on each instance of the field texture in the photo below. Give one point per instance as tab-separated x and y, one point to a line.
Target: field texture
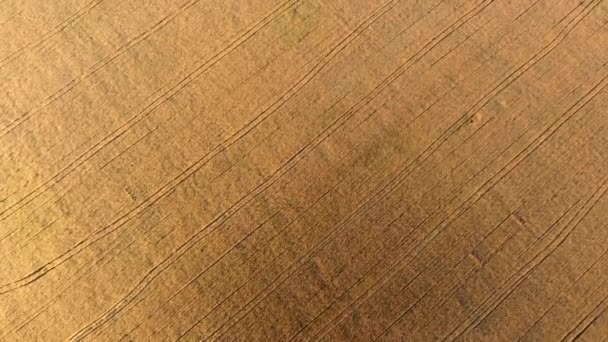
272	170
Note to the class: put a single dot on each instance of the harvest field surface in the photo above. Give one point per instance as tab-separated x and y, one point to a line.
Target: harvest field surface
295	170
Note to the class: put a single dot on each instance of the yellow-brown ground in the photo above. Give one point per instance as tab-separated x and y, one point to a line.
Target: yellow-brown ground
303	170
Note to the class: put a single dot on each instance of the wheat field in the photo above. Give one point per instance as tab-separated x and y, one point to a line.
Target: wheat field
294	170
